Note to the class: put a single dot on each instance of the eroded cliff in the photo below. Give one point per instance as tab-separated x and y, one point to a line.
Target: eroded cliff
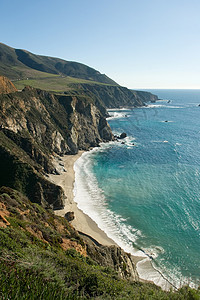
36	126
6	86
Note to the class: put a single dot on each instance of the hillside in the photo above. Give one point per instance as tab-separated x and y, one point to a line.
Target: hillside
35	127
26	64
71	78
43	257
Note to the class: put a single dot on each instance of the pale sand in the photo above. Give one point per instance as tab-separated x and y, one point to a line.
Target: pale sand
82	222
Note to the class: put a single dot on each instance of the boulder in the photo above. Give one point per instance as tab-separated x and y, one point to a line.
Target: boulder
122	135
69	216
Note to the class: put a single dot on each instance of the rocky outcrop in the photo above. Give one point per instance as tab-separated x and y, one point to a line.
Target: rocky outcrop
110	96
6	86
36	125
61	124
112	256
20	173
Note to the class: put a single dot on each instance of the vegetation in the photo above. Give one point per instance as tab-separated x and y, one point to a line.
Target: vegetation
41	255
34	264
53	83
21	64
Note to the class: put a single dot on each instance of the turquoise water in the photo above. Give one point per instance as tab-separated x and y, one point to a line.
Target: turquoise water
145	194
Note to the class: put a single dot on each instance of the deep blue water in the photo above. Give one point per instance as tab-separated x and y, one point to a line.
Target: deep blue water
146	193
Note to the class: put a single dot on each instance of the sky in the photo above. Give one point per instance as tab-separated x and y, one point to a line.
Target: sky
141	44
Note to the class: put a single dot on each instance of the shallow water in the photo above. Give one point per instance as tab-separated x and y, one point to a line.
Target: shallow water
145	193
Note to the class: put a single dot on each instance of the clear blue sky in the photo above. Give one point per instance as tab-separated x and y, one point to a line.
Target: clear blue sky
138	43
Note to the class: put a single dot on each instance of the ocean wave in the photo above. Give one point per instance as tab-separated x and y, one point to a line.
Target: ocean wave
160	141
162	106
91	200
117	115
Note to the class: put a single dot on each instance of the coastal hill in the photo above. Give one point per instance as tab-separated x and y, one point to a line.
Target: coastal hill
37	126
41	253
26	64
71	78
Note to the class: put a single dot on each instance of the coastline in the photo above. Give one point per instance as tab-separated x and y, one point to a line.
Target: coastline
84	224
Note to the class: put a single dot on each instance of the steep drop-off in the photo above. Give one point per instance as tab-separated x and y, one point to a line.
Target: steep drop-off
107	96
6	86
34	127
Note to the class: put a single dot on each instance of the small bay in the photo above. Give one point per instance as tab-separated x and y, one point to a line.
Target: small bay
145	192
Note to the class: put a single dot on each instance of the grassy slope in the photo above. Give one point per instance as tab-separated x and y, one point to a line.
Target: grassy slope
34	264
50	82
20	64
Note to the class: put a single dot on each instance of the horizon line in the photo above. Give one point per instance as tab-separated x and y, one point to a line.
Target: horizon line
151	88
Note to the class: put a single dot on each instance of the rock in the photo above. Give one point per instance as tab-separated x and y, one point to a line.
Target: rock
122	135
6	86
69	216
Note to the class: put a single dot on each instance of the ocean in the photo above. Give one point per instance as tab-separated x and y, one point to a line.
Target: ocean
145	192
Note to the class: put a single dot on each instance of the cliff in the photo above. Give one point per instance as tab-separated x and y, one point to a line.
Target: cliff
6	86
109	96
36	126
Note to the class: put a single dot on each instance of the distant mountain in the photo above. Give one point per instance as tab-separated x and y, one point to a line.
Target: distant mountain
18	64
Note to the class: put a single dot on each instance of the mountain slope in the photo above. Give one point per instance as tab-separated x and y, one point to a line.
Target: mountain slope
23	62
36	126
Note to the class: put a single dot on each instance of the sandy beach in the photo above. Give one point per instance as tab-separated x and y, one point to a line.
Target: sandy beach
82	222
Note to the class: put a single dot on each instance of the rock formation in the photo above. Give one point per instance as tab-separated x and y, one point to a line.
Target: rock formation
6	86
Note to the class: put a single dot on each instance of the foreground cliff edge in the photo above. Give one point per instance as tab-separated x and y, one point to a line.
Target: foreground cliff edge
36	246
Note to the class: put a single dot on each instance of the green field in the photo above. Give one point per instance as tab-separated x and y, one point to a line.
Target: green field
50	82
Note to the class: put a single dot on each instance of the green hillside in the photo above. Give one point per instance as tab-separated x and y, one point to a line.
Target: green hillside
20	64
43	257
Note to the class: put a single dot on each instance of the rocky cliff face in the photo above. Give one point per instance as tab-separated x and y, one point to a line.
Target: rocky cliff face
61	124
6	86
110	96
112	256
37	125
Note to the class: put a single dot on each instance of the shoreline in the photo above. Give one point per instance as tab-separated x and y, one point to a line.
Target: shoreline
81	222
84	224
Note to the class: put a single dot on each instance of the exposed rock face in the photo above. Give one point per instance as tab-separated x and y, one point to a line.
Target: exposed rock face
112	256
62	124
69	216
34	126
110	96
6	86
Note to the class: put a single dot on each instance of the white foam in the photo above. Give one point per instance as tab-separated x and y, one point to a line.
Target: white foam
161	106
116	115
147	272
91	200
118	109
